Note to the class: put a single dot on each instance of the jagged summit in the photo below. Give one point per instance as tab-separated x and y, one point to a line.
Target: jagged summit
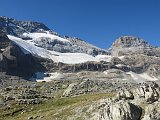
17	28
130	41
129	45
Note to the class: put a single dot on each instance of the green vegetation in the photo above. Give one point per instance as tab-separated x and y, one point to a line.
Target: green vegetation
59	108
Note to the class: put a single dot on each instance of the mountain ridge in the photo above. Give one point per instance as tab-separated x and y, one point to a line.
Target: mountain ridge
18	28
130	55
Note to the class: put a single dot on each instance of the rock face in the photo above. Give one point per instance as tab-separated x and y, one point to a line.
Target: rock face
129	45
130	41
125	94
120	110
75	45
69	90
87	66
14	62
152	112
127	105
149	92
17	28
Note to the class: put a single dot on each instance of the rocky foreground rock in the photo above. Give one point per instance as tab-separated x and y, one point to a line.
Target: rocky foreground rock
127	105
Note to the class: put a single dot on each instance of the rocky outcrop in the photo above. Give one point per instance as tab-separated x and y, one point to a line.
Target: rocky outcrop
17	28
74	46
150	92
87	66
140	63
4	41
152	112
125	94
154	70
130	41
69	91
129	45
127	105
121	110
116	61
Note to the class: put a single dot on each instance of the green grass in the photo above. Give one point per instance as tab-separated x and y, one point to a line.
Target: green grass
58	109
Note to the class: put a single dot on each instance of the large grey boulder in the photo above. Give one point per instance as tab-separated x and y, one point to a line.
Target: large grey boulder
121	110
125	94
152	112
148	91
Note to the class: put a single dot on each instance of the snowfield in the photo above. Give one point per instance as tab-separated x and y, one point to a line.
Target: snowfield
141	77
41	77
28	46
46	35
106	58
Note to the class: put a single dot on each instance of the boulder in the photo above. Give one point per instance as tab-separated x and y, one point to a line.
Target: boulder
124	94
152	112
148	92
121	110
69	91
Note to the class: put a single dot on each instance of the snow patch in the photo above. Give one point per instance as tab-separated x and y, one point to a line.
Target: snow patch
141	77
52	77
35	36
45	77
121	57
105	58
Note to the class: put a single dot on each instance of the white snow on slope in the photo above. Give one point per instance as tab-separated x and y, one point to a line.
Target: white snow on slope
106	58
141	77
47	77
40	77
29	47
70	58
35	36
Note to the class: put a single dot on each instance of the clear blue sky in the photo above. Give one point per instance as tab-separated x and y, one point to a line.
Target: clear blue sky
98	22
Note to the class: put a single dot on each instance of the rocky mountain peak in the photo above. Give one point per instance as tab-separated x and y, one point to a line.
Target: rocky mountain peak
46	38
130	41
17	28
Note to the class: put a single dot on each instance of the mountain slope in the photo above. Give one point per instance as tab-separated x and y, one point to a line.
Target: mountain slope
128	54
69	58
46	38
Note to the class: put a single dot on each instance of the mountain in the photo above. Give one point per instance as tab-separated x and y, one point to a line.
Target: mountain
52	53
44	37
77	80
127	45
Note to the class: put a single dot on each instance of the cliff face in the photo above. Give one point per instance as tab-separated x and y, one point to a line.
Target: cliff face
129	45
130	41
13	61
